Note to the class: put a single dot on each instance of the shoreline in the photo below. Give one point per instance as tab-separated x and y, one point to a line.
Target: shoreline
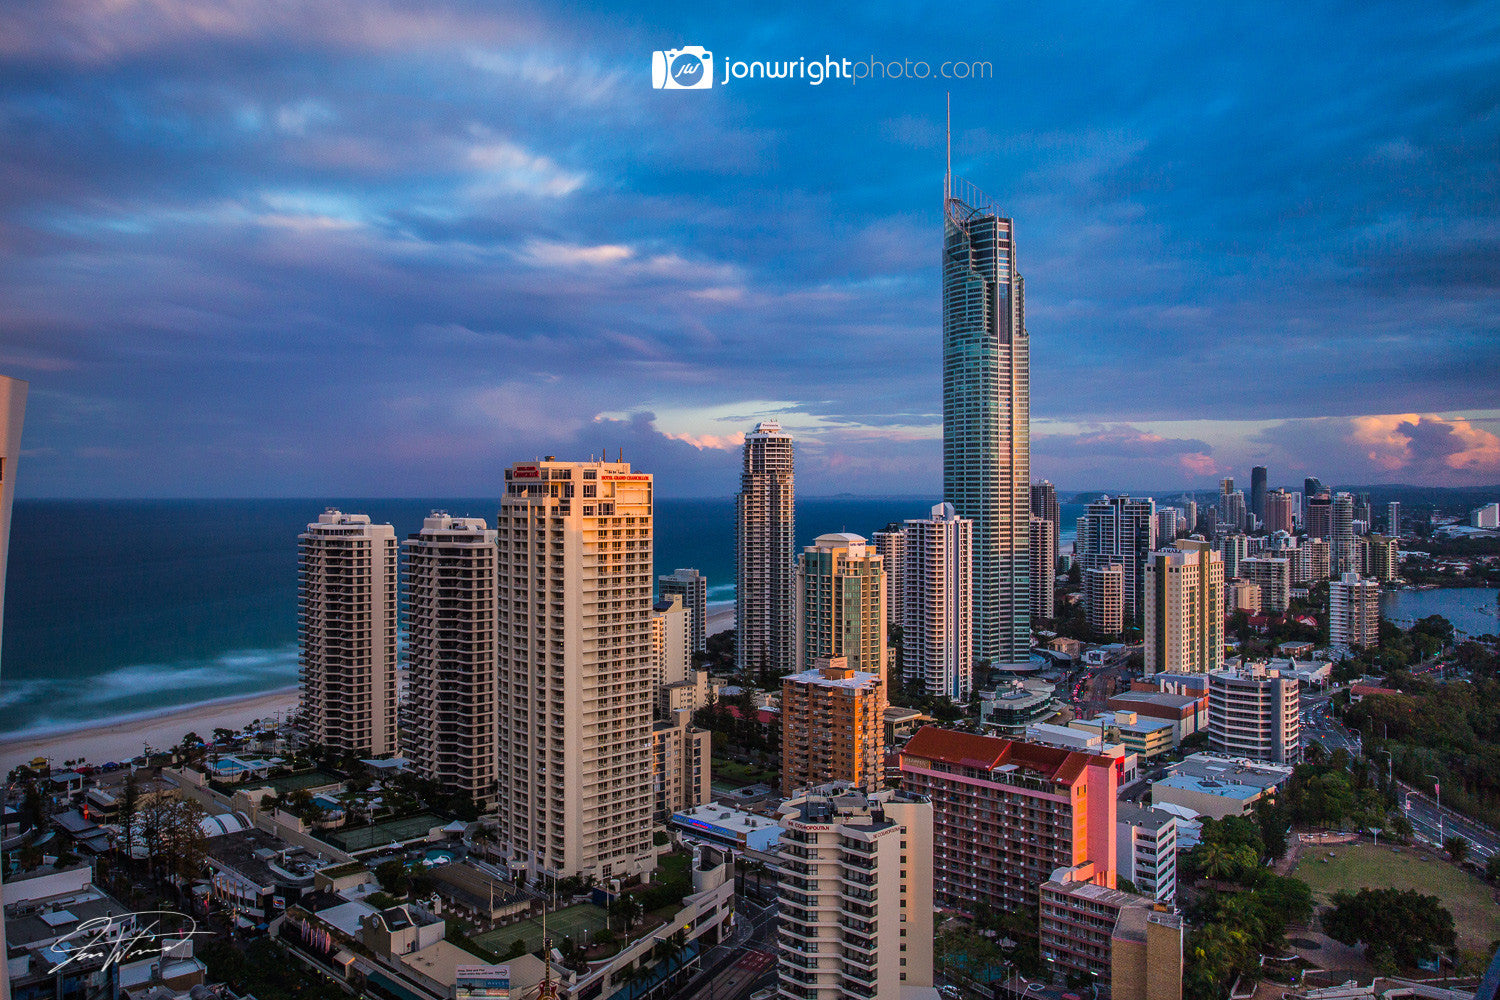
128	737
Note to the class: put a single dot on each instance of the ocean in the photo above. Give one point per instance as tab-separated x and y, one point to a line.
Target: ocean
119	608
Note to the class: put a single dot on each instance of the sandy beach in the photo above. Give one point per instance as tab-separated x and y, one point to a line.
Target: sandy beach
720	617
128	738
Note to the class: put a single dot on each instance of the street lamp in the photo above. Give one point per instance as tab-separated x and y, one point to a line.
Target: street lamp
1390	767
1437	795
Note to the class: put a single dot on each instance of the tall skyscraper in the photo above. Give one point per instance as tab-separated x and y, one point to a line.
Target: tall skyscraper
832	726
890	542
1168	523
1184	623
1231	508
1341	538
1278	512
936	623
1319	517
987	415
841	603
346	591
12	415
693	587
1043	578
451	580
1044	505
765	594
1104	598
1353	611
576	669
1258	491
1312	486
1393	519
1119	531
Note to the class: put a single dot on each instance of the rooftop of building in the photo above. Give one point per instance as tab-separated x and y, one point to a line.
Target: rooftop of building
1222	787
1137	726
1146	817
990	753
726	818
1162	699
1237	769
262	858
49	919
834	677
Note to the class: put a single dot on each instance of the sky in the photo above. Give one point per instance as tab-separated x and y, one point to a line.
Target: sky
384	248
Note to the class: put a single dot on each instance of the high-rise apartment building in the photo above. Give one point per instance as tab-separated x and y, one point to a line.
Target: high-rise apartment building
692	586
1184	624
1312	486
987	415
1353	611
1318	518
451	579
1280	512
577	675
1117	941
1007	814
12	416
1043	578
1233	547
765	594
1341	548
1168	524
1146	850
1104	598
936	626
1119	530
346	590
841	603
1393	519
854	901
832	726
1258	491
1384	558
1255	712
890	543
1189	515
681	766
1487	516
1231	509
1044	505
1274	578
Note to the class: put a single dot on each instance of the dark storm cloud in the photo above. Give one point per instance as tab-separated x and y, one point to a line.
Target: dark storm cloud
397	245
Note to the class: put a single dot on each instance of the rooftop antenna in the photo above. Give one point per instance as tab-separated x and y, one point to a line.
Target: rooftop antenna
948	175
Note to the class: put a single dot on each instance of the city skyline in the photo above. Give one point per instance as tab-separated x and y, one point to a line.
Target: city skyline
298	255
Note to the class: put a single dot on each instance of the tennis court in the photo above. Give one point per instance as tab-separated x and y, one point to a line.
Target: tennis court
384	833
572	921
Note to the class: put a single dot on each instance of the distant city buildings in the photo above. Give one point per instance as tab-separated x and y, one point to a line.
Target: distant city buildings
1318	518
1120	531
1231	507
1383	559
855	903
832	726
765	594
692	586
1273	576
1184	623
840	611
1341	545
1044	505
987	416
575	761
346	595
1393	519
451	634
1280	512
1354	611
1258	492
1168	524
936	625
890	543
1487	516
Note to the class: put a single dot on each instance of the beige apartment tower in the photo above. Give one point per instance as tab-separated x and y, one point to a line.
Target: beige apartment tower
1104	598
1274	578
347	609
765	552
451	735
855	899
1184	627
937	623
841	603
1043	573
832	727
1354	611
576	671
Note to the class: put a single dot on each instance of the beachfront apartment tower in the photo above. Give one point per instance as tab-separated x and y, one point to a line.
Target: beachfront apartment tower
577	675
693	587
1008	813
987	415
1043	575
1104	598
1119	530
854	900
832	726
1044	505
890	543
12	414
347	610
451	735
841	603
937	649
765	594
1184	626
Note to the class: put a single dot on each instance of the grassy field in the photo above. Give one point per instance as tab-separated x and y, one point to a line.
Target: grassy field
1365	866
570	922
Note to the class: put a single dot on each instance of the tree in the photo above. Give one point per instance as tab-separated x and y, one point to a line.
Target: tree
1492	868
1213	955
1457	848
130	802
393	877
1398	926
1401	829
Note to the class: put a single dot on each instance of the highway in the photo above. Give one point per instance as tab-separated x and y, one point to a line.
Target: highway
1422	812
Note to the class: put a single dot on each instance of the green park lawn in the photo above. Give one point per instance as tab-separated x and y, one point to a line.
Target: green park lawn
1476	916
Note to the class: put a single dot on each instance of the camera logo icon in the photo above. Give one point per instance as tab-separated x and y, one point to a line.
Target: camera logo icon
688	68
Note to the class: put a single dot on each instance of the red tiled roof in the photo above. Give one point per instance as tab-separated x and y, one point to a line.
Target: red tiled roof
989	752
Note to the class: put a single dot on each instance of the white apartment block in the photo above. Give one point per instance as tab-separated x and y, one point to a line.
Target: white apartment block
693	587
671	641
577	676
1146	850
1353	611
1104	598
451	573
1044	568
891	544
1256	713
854	905
1487	516
346	591
937	624
1184	624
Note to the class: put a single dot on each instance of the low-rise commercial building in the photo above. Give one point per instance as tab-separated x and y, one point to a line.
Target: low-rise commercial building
1216	786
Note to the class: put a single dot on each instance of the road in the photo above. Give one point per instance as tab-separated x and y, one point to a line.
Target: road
1422	811
1321	726
733	968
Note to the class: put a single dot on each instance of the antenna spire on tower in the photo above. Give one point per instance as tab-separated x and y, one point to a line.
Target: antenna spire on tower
948	174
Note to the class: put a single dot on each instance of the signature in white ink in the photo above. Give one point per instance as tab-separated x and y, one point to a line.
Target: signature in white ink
119	939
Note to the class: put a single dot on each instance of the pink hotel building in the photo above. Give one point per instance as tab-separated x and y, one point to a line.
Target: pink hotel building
1007	814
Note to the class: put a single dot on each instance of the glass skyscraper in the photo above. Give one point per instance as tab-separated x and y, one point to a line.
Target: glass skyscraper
987	416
